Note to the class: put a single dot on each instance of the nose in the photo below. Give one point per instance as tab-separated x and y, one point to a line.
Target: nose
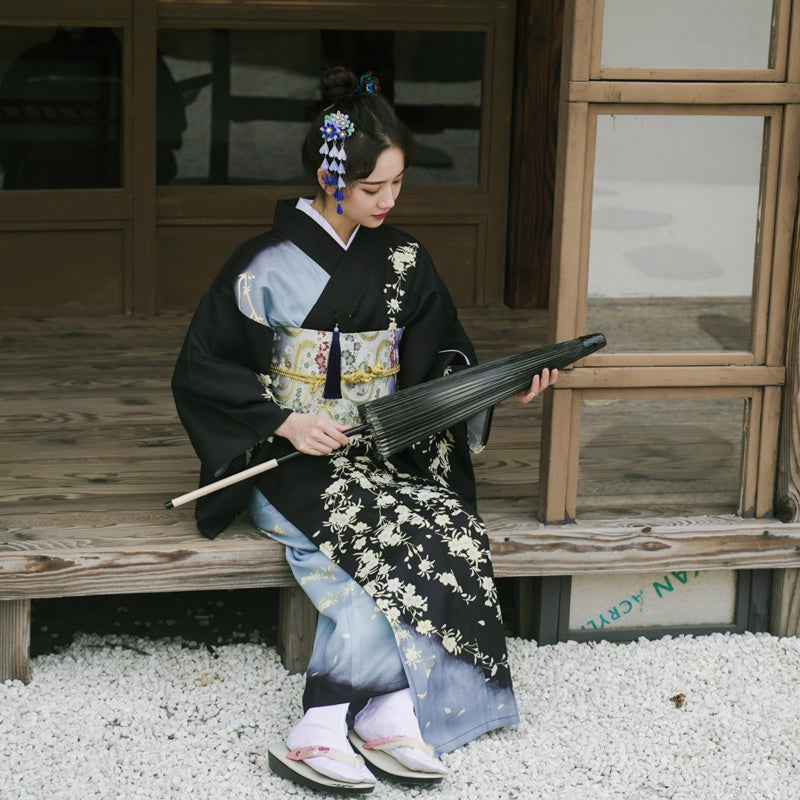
386	197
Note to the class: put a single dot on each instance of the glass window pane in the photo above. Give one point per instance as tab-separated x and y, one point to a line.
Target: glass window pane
249	95
661	457
674	228
687	34
675	599
60	107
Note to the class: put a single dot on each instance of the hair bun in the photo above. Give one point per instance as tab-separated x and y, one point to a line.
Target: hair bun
337	82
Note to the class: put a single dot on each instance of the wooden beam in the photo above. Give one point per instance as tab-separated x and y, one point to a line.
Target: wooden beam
534	133
785	617
166	561
617	546
693	93
669	377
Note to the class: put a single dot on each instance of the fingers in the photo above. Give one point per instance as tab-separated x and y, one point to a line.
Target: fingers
538	385
312	434
548	378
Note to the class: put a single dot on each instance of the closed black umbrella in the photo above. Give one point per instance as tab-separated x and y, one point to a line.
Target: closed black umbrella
402	418
398	420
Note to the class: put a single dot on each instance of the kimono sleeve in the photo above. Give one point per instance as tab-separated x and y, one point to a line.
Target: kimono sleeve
220	399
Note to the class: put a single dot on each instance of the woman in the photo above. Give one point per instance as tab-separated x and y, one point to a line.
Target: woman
329	309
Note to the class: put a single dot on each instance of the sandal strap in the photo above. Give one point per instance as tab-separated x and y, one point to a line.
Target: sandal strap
393	742
321	751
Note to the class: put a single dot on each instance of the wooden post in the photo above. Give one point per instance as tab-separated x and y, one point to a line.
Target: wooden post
785	614
535	129
140	158
297	624
15	640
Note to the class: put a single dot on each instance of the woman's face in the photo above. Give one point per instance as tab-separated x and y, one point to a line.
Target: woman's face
368	201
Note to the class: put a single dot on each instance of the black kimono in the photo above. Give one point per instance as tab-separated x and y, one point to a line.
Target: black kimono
292	322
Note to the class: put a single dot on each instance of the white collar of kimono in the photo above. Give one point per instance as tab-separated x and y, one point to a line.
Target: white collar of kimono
304	205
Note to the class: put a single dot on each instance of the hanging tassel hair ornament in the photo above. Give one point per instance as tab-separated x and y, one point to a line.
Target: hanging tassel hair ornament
335	130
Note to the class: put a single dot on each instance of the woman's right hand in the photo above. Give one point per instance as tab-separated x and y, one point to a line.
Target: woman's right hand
312	434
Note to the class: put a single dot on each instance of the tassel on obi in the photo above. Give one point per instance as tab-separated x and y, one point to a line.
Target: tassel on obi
333	376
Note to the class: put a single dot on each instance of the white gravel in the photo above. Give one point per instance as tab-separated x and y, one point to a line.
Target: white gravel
684	718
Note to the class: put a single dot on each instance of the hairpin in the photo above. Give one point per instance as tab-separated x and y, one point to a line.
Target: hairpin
335	130
367	84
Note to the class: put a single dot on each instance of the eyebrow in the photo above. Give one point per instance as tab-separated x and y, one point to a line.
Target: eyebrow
378	183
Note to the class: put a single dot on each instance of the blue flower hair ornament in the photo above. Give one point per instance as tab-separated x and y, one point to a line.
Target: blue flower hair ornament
336	129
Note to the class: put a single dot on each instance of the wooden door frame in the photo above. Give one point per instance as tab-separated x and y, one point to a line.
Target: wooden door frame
79	210
138	209
761	373
482	205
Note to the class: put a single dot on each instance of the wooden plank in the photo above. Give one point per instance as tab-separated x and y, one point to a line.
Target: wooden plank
297	625
97	530
42	482
683	93
146	565
15	639
670	377
57	12
640	545
378	13
144	560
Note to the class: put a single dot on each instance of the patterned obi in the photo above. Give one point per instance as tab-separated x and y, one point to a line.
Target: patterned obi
369	365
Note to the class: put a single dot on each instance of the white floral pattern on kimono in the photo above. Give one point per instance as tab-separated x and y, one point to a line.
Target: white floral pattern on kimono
415	549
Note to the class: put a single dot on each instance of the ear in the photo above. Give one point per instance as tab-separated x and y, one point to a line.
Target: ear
321	175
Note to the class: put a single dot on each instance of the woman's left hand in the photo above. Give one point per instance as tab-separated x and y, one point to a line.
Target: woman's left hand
538	384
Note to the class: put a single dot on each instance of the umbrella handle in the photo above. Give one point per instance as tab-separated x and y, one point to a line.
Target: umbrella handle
245	474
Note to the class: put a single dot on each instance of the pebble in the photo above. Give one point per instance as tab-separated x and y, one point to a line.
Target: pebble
137	719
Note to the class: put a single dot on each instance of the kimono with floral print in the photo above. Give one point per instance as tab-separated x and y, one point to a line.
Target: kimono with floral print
405	530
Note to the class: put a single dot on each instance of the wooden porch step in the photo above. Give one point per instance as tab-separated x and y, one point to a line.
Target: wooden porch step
165	553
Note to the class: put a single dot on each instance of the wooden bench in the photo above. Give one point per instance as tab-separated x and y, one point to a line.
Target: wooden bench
92	448
166	554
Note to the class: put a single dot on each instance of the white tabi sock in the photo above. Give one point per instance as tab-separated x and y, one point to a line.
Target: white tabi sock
393	715
327	726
